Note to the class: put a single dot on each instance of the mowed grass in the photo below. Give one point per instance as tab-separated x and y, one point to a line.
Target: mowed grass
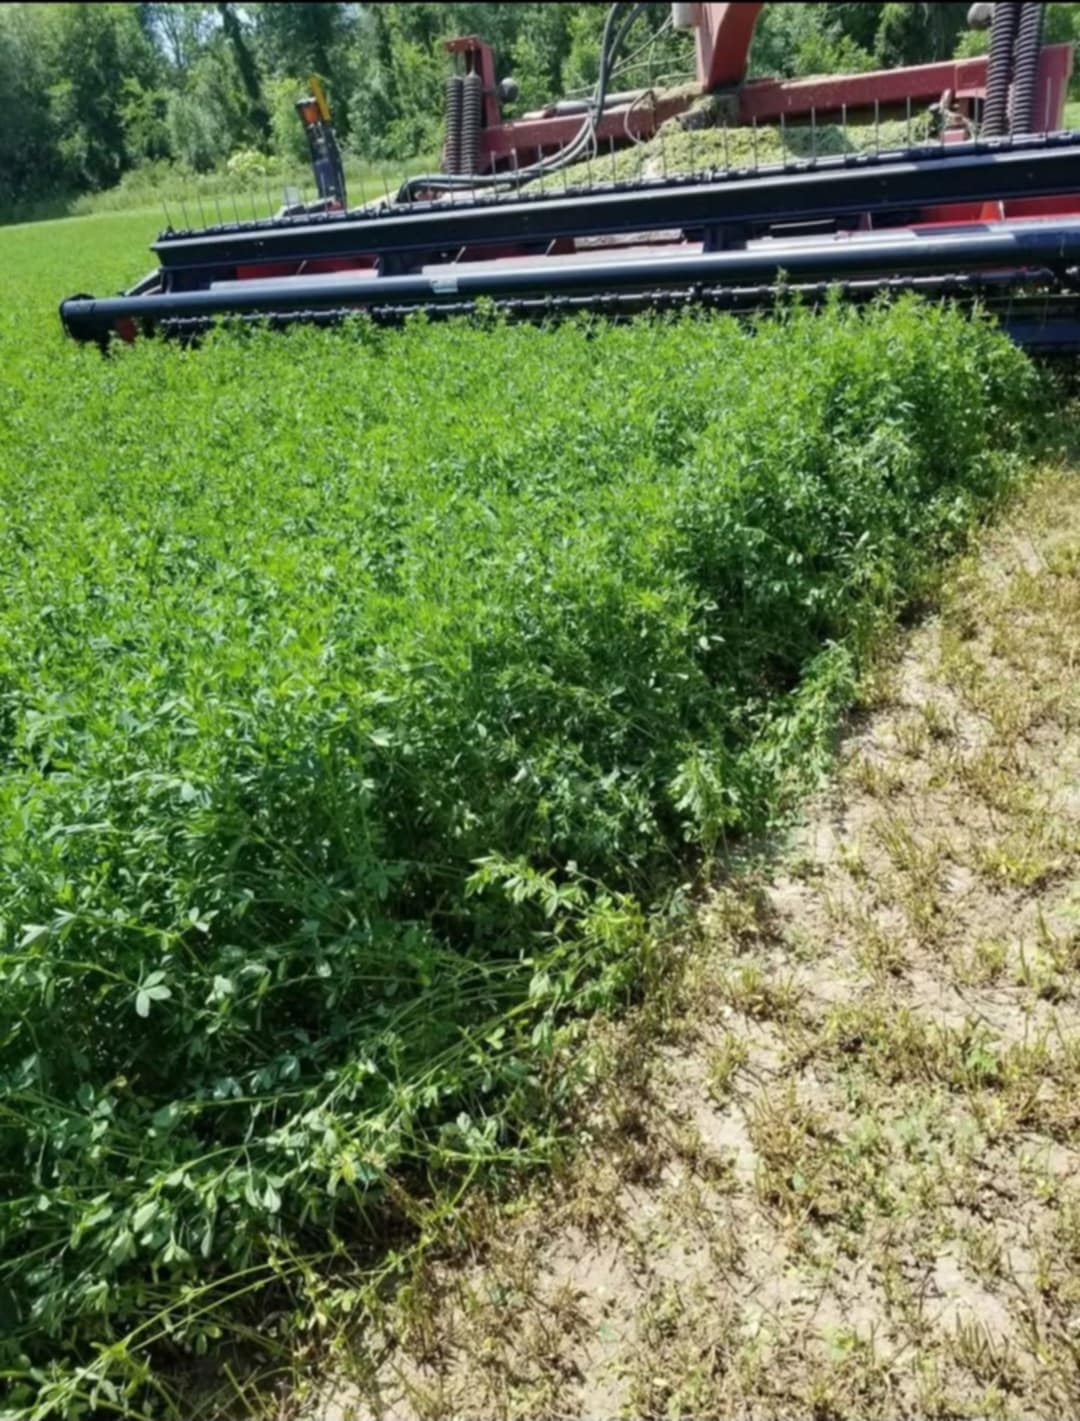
172	195
362	696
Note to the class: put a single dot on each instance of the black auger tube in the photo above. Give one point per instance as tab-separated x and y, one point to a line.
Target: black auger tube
1023	118
1003	28
1052	248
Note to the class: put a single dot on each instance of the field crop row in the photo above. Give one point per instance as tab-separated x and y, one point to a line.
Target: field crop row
360	695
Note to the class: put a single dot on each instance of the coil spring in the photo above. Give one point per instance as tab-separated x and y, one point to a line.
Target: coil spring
1026	69
1003	30
452	144
472	104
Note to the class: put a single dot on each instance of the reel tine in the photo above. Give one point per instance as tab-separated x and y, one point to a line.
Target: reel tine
220	214
232	194
202	214
386	188
753	133
562	166
165	209
727	157
540	166
843	124
183	209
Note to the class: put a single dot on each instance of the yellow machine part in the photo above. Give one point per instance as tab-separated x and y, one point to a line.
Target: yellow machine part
320	98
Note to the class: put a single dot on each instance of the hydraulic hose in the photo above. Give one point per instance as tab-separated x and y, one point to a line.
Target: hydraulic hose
999	70
1028	47
610	44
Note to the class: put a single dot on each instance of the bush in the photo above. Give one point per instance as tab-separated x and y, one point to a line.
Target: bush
353	714
250	163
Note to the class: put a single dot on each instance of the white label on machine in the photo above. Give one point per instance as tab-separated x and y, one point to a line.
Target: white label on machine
444	285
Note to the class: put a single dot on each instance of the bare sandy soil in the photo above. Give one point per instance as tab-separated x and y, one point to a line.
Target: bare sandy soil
833	1168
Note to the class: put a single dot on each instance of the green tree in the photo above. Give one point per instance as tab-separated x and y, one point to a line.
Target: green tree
30	162
793	40
92	49
309	39
537	53
918	33
179	31
258	116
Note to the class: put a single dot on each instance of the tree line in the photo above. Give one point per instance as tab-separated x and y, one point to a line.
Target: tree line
90	91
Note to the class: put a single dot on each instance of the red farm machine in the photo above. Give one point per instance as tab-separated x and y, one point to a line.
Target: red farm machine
977	199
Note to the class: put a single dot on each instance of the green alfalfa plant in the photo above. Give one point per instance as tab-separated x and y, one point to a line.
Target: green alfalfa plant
367	705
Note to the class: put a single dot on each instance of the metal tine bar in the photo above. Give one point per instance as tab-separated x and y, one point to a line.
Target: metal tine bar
753	139
385	186
843	122
540	165
202	214
727	157
562	166
269	199
254	210
232	194
221	215
165	209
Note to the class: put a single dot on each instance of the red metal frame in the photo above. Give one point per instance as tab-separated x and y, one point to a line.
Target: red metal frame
965	79
479	59
723	36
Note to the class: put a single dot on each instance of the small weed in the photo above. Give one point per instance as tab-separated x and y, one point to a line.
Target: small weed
980	964
759	995
1020	859
723	1064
